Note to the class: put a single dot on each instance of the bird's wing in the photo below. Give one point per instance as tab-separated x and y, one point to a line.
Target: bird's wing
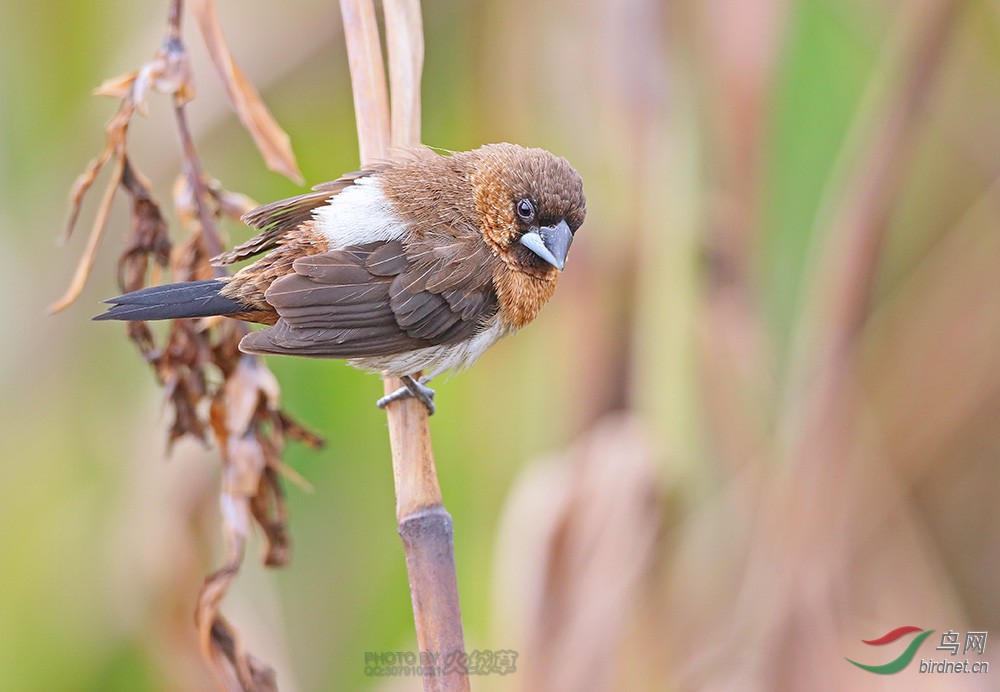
274	220
380	299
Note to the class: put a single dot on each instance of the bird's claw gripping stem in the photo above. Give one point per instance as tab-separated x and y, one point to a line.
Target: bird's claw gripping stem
411	388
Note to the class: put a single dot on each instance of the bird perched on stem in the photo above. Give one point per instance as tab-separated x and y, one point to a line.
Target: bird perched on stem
416	264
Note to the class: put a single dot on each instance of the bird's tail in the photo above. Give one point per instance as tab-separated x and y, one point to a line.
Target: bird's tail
173	301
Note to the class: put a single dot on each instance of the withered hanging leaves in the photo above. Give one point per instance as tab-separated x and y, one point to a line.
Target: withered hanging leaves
116	130
249	428
141	335
188	262
231	204
234	667
271	140
207	382
169	72
221	202
245	419
97	230
147	236
269	510
292	430
181	370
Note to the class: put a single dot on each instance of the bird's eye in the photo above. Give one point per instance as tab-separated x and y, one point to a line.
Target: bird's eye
525	209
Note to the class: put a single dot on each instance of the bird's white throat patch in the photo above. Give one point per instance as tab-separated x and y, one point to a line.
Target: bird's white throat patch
359	214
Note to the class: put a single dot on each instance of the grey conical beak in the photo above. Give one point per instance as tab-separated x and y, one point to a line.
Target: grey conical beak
551	243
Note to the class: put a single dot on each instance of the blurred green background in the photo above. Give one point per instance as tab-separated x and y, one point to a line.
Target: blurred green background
697	469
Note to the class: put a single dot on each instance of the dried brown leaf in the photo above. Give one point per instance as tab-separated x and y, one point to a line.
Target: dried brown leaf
226	352
96	233
233	204
184	202
189	261
140	334
293	476
241	397
293	430
183	395
245	462
147	236
181	369
268	507
114	147
243	392
168	72
234	667
119	87
114	144
251	491
271	140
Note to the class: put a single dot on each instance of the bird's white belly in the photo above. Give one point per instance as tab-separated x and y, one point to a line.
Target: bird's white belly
435	360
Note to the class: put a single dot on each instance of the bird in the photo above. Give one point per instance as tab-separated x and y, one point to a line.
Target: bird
417	263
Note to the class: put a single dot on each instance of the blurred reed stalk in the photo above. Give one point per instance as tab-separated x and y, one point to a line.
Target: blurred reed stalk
424	524
821	441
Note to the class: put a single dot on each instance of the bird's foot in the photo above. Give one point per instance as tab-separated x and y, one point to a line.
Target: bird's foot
411	388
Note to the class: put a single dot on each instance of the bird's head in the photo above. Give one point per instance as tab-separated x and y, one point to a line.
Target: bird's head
529	204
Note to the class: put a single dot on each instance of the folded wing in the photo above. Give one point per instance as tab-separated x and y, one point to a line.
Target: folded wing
380	298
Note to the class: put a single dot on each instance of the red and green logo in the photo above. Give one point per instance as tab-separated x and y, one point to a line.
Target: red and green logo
903	660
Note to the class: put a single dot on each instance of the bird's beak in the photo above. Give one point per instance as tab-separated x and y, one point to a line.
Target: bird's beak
551	243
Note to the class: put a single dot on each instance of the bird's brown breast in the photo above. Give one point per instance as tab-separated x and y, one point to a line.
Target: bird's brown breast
521	296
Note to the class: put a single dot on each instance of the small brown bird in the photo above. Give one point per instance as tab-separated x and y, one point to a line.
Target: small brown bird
416	264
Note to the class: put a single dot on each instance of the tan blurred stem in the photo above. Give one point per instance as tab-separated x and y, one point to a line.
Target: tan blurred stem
855	227
796	569
821	438
737	60
424	524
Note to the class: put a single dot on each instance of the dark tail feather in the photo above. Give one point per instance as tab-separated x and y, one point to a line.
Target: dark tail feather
173	301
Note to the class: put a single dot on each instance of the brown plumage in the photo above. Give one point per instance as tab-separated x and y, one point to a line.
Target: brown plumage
418	263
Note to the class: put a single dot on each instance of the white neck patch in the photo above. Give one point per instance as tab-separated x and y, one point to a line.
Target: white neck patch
359	214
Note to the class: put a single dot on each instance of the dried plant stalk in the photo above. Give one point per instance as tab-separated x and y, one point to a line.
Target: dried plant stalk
404	38
371	101
424	524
